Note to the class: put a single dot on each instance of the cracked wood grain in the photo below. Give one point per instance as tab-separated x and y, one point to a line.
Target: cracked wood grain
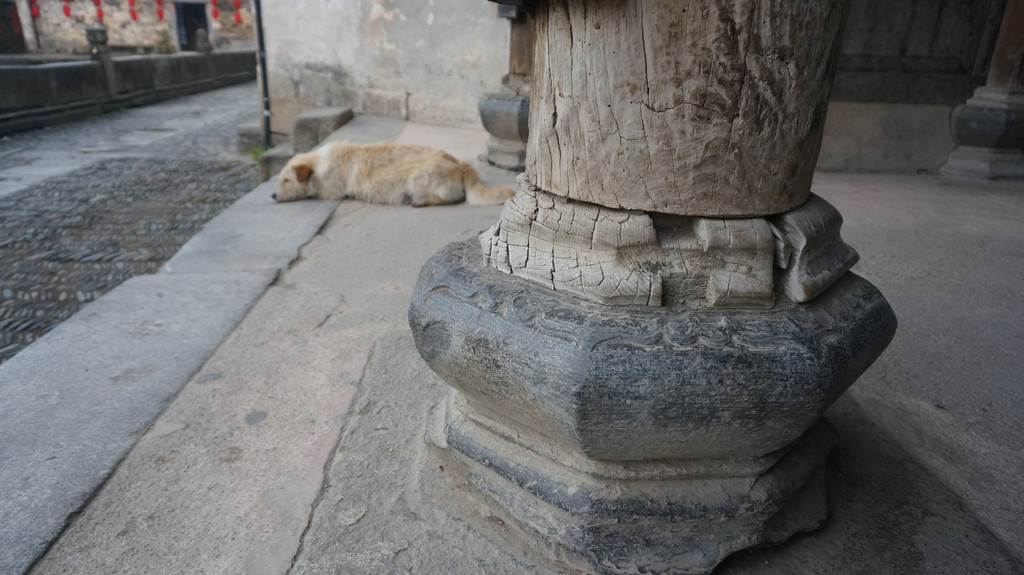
619	257
711	108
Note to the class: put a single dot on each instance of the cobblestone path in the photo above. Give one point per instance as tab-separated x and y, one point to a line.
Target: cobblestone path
126	210
71	239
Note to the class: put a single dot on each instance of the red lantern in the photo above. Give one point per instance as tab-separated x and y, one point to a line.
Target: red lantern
35	10
134	14
238	4
67	10
96	2
99	14
216	12
160	13
238	17
131	2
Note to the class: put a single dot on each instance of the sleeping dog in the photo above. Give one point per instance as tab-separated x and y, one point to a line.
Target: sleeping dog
386	173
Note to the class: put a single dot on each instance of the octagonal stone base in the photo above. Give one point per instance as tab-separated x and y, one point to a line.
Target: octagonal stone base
640	439
667	517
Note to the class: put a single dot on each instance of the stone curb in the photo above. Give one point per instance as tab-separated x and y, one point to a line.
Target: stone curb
76	401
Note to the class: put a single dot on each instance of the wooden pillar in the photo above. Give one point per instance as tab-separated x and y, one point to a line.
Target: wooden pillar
690	108
1007	70
521	42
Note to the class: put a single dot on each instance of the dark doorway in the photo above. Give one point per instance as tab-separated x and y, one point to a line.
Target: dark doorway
12	40
191	17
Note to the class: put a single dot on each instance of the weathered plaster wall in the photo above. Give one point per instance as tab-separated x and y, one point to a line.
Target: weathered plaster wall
423	60
885	137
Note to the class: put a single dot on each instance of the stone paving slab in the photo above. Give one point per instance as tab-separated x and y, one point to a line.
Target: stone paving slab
36	167
948	253
75	402
255	234
138	345
87	204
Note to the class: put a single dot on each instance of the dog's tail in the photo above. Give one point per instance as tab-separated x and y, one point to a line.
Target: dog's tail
477	193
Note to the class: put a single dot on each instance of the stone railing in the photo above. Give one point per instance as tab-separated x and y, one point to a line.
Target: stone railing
48	94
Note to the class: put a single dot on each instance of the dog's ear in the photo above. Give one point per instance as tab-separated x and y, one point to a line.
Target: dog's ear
302	172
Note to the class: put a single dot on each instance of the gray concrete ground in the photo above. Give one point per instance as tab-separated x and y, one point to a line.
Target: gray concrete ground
295	443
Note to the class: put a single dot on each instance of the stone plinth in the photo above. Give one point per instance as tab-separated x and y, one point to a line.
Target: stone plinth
636	436
608	515
505	116
989	129
695	381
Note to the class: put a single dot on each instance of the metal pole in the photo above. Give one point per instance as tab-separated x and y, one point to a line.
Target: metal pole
261	60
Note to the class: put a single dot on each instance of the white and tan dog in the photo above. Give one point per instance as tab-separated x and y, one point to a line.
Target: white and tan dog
386	173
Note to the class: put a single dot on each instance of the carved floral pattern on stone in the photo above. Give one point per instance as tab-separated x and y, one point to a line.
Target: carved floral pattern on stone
807	326
563	365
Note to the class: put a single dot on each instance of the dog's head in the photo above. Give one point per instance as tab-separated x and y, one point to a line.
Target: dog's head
293	183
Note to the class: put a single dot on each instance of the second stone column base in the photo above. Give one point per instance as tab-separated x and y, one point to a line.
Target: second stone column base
989	129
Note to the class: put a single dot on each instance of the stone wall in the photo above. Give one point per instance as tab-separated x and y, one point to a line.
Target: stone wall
58	33
427	61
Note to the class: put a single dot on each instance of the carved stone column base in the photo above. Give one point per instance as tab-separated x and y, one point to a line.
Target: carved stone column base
638	438
989	129
987	163
505	154
506	116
